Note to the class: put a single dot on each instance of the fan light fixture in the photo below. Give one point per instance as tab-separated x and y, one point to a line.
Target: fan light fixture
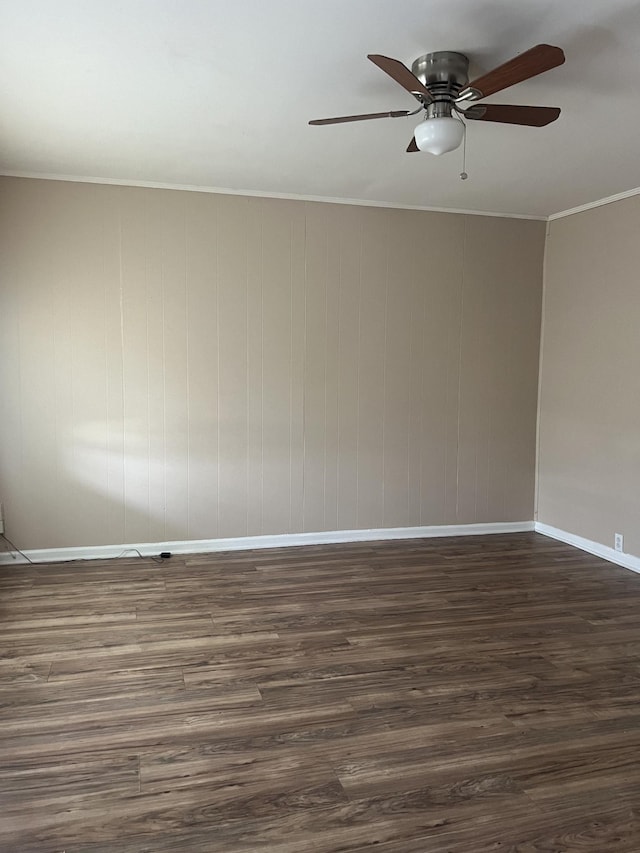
439	81
439	135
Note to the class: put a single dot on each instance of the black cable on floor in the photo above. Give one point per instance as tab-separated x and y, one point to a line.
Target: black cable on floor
117	557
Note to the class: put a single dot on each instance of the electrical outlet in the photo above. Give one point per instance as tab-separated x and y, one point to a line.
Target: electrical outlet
618	542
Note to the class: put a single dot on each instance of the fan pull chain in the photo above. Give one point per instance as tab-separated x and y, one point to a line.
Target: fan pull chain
463	173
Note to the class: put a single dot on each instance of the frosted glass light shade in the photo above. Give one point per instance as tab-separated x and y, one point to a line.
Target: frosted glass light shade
439	135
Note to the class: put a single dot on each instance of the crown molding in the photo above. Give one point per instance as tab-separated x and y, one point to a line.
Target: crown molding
358	202
591	204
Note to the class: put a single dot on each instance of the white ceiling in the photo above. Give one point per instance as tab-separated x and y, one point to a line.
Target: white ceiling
217	94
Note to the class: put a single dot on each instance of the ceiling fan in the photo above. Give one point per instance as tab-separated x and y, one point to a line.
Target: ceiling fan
440	83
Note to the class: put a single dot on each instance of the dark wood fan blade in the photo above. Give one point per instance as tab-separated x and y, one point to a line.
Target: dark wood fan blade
535	61
411	147
530	116
401	74
365	117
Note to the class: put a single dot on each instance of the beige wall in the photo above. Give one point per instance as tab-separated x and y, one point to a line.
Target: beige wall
178	365
589	470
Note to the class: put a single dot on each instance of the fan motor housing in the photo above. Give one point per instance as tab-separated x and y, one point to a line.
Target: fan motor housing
443	72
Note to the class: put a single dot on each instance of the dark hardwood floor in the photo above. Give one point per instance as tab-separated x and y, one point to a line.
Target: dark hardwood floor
422	696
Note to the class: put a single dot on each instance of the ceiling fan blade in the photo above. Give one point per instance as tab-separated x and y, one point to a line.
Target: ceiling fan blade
401	74
411	147
365	117
542	57
530	116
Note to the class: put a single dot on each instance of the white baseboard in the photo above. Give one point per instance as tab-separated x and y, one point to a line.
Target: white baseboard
627	561
284	540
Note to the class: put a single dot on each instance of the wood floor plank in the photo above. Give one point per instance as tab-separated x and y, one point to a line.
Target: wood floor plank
418	696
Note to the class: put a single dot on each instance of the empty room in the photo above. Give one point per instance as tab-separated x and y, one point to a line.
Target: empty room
319	426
